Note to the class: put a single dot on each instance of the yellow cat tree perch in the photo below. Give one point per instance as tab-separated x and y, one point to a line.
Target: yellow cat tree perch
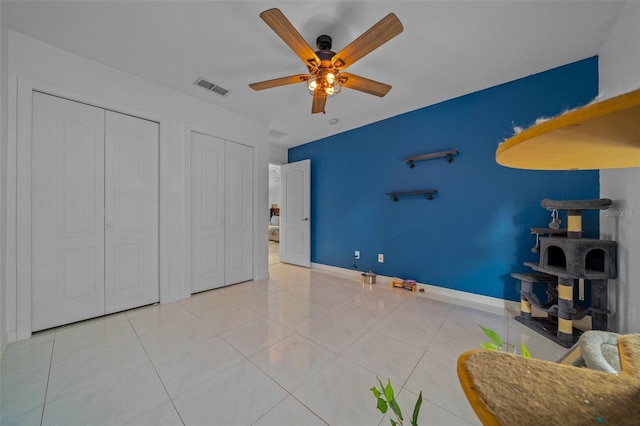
602	135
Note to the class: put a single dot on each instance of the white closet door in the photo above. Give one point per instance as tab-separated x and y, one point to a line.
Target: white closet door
67	212
207	183
131	212
239	213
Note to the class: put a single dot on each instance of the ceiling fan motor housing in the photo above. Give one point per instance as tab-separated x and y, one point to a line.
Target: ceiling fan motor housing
324	52
323	42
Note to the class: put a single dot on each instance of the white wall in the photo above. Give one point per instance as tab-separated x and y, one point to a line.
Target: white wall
619	68
34	64
278	154
3	180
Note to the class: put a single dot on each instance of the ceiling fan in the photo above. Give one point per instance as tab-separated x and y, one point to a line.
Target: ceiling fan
326	75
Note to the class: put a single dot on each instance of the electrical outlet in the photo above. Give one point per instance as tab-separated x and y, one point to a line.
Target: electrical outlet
380	258
357	254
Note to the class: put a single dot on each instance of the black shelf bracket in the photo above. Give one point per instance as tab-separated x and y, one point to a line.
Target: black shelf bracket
428	194
446	154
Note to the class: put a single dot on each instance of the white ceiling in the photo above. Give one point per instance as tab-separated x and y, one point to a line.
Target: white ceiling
447	49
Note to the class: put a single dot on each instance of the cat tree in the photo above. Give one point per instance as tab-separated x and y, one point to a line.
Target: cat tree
565	256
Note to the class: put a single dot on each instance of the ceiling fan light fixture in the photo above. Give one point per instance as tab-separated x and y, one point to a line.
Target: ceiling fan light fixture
330	78
327	81
312	84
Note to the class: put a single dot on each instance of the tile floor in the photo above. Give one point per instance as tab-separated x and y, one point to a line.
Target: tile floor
301	348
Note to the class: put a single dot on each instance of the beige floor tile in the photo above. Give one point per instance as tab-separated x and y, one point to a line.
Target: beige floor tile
388	358
186	368
163	415
290	412
292	361
175	337
437	378
226	319
156	317
254	336
340	395
238	396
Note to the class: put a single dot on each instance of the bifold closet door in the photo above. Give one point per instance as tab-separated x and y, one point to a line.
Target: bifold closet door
67	212
94	212
207	183
131	212
239	213
221	204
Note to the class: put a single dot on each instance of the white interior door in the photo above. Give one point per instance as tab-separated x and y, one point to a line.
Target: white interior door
295	213
131	212
67	212
207	192
239	213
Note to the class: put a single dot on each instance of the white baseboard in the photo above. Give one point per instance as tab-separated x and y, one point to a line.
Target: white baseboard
259	276
458	297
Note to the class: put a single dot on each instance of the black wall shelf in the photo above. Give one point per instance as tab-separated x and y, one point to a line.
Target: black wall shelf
428	194
447	154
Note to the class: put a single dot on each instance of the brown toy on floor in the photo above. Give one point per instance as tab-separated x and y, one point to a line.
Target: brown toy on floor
506	389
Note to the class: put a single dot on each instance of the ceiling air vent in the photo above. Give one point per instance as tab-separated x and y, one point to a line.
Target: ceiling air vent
277	134
210	86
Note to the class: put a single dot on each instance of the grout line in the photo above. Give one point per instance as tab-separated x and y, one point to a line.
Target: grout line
46	390
158	374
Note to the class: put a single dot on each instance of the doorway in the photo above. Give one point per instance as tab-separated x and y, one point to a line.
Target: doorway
274	213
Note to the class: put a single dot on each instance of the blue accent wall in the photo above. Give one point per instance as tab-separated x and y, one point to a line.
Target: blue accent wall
476	230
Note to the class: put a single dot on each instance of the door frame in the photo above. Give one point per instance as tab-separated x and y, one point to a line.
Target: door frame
19	196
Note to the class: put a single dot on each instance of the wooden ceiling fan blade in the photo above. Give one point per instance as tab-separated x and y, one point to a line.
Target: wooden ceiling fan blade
319	101
287	32
386	29
365	85
268	84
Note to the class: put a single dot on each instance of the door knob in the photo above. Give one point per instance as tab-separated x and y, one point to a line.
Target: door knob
306	219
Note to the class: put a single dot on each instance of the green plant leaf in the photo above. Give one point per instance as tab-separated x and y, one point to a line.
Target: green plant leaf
376	392
416	410
525	351
382	405
489	346
495	337
393	422
396	409
388	391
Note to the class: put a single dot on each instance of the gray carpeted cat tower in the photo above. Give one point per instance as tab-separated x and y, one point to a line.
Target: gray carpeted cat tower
567	257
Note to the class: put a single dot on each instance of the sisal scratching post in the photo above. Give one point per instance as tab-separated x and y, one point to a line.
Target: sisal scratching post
565	309
525	305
